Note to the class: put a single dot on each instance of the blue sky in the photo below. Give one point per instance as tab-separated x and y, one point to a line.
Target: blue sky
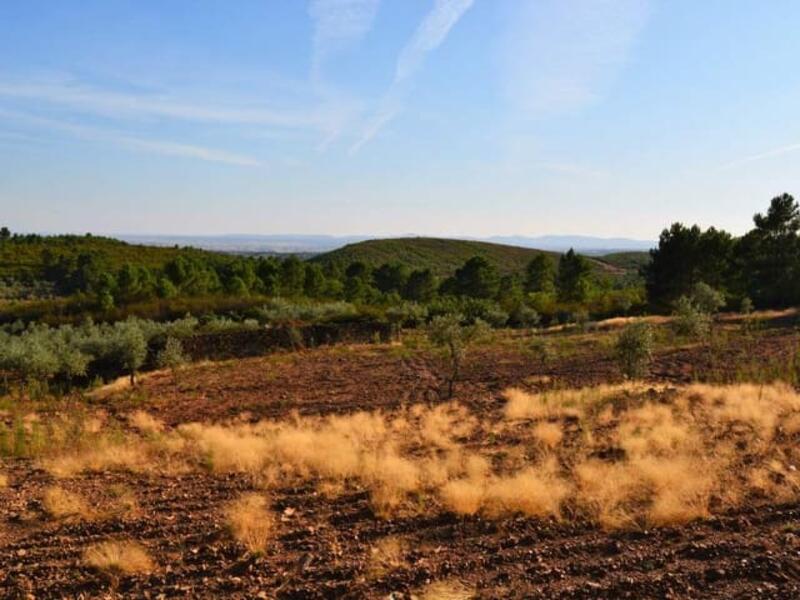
448	117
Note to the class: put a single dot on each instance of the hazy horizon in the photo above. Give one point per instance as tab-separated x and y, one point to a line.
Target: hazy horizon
607	118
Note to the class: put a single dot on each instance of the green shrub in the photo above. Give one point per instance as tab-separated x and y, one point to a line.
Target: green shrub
634	349
448	333
689	320
707	299
541	349
172	356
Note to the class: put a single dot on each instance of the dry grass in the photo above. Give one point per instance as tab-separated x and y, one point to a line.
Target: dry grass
103	456
145	422
445	590
58	503
636	456
3	480
126	558
548	434
387	555
561	403
250	522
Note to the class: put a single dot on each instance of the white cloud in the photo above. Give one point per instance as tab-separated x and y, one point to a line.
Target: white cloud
337	25
562	55
127	105
756	157
430	34
162	147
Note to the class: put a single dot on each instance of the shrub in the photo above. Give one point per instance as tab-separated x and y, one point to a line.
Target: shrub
707	299
448	333
541	350
689	320
172	356
524	316
130	347
634	349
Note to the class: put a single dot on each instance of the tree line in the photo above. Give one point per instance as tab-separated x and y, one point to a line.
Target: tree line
760	268
546	287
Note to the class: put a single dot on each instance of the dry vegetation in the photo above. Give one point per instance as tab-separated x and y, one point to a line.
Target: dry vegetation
429	498
250	522
621	456
115	558
61	504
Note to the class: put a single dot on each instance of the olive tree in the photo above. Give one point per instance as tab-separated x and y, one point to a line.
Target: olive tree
449	334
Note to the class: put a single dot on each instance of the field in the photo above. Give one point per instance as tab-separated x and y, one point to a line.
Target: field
344	472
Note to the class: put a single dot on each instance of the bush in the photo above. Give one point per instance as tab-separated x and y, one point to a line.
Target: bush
172	356
448	333
541	350
406	314
689	320
129	347
707	299
634	349
524	316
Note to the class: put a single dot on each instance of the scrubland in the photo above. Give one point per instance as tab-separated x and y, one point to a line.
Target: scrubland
425	497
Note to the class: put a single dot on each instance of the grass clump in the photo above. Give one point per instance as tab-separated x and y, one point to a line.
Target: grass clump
58	503
250	522
118	558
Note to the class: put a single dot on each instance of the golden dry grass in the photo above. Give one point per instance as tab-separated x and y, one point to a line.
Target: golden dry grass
385	556
445	590
128	558
59	503
250	522
145	422
3	480
623	456
103	456
548	434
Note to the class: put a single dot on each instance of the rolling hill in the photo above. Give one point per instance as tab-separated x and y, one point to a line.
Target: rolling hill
26	255
443	256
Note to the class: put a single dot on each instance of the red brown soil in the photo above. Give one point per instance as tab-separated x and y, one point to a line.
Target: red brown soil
322	546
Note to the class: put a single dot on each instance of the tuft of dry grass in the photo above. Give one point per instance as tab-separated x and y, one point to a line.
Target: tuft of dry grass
536	491
387	555
145	422
548	434
3	480
562	402
103	456
464	496
445	590
250	522
61	504
118	558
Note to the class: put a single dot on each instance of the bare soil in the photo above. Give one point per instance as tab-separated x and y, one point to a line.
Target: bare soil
323	546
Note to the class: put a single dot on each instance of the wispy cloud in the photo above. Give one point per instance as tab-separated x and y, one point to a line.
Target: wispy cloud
130	105
430	34
162	147
756	157
337	25
562	55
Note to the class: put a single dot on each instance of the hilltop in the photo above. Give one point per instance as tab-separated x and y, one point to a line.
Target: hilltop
24	255
444	256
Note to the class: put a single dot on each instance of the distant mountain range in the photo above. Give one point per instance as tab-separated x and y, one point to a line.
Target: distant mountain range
315	244
584	244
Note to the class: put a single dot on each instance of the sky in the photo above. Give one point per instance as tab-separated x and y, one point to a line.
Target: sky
389	117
